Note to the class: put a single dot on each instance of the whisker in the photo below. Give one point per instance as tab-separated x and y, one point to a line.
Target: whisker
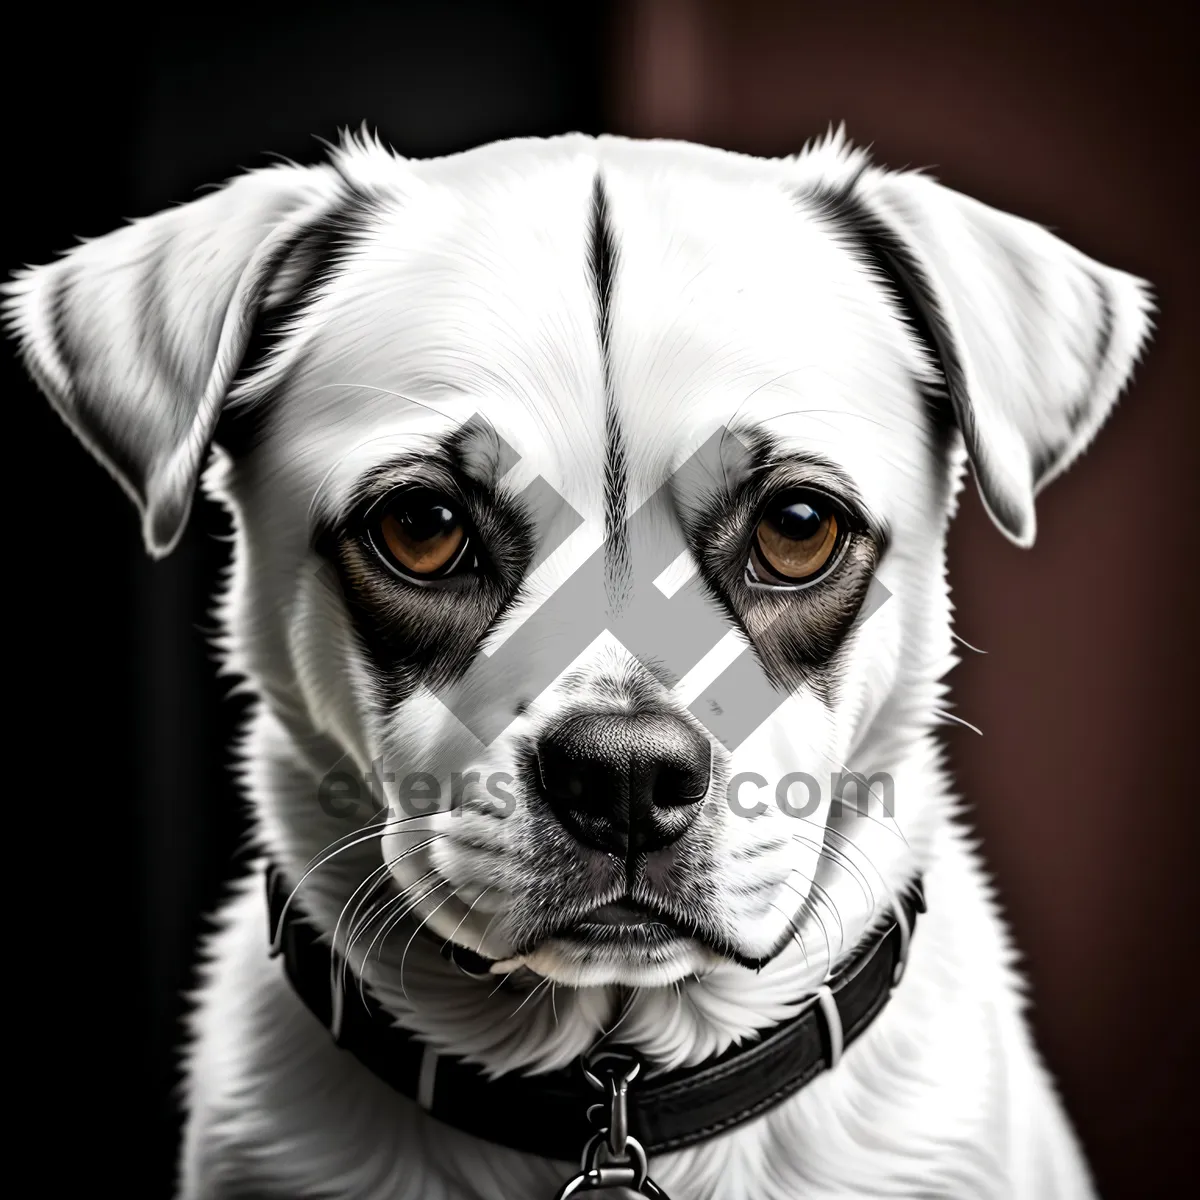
541	987
845	770
413	937
370	387
810	908
372	882
963	641
379	875
825	898
807	906
841	860
381	913
813	412
948	716
486	930
463	918
336	843
795	932
398	899
892	896
737	412
326	856
384	932
847	841
358	930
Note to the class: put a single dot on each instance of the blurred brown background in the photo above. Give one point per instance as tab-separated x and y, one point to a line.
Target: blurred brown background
1080	117
1073	115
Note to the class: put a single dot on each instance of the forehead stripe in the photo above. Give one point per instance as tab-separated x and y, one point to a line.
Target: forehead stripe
603	260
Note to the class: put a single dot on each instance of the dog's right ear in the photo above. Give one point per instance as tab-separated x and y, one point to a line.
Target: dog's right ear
136	336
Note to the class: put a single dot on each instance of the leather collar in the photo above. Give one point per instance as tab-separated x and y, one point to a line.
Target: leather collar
548	1114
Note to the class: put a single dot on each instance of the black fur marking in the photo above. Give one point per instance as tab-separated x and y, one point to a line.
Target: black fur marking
603	261
1044	459
323	248
602	255
891	260
885	253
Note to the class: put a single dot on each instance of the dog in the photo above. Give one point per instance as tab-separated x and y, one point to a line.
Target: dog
589	496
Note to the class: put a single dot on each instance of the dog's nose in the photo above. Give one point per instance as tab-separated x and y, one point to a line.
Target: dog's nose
627	784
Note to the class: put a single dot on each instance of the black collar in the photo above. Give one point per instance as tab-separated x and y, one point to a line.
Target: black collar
548	1115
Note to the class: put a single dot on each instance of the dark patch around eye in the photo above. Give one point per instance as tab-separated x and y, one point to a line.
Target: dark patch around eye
796	635
414	635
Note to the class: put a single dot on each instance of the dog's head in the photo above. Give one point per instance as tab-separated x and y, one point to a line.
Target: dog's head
590	499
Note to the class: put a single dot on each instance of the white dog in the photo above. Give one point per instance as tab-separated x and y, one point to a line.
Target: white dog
590	498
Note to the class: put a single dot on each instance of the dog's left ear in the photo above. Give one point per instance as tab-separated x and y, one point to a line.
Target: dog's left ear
136	337
1034	340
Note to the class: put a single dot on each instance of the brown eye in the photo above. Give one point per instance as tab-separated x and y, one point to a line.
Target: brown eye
421	533
796	538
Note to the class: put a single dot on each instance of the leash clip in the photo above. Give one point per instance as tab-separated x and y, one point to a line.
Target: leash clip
613	1157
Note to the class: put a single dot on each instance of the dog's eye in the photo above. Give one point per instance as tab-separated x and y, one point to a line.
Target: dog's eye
797	539
420	533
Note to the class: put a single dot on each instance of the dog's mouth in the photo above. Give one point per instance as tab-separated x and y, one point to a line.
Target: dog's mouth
620	922
628	924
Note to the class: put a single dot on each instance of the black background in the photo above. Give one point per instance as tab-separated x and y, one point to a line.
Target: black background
119	117
124	822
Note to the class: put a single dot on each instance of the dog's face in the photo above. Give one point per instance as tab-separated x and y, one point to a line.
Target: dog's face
590	505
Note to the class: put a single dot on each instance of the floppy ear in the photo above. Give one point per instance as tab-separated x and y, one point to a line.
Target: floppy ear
136	336
1034	340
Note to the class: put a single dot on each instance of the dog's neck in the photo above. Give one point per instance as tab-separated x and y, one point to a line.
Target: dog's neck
522	1022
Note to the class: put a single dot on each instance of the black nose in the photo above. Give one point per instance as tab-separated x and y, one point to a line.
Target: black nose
625	784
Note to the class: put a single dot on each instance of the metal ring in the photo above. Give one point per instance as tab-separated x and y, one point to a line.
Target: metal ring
634	1067
635	1156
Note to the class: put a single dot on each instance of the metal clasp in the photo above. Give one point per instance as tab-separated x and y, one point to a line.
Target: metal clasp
612	1158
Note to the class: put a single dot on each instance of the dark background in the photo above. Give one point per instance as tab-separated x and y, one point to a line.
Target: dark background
1082	784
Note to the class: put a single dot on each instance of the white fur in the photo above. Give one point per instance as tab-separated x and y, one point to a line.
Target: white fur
735	304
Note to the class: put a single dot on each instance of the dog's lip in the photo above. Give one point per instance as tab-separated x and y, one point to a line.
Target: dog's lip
629	922
624	923
618	914
613	921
